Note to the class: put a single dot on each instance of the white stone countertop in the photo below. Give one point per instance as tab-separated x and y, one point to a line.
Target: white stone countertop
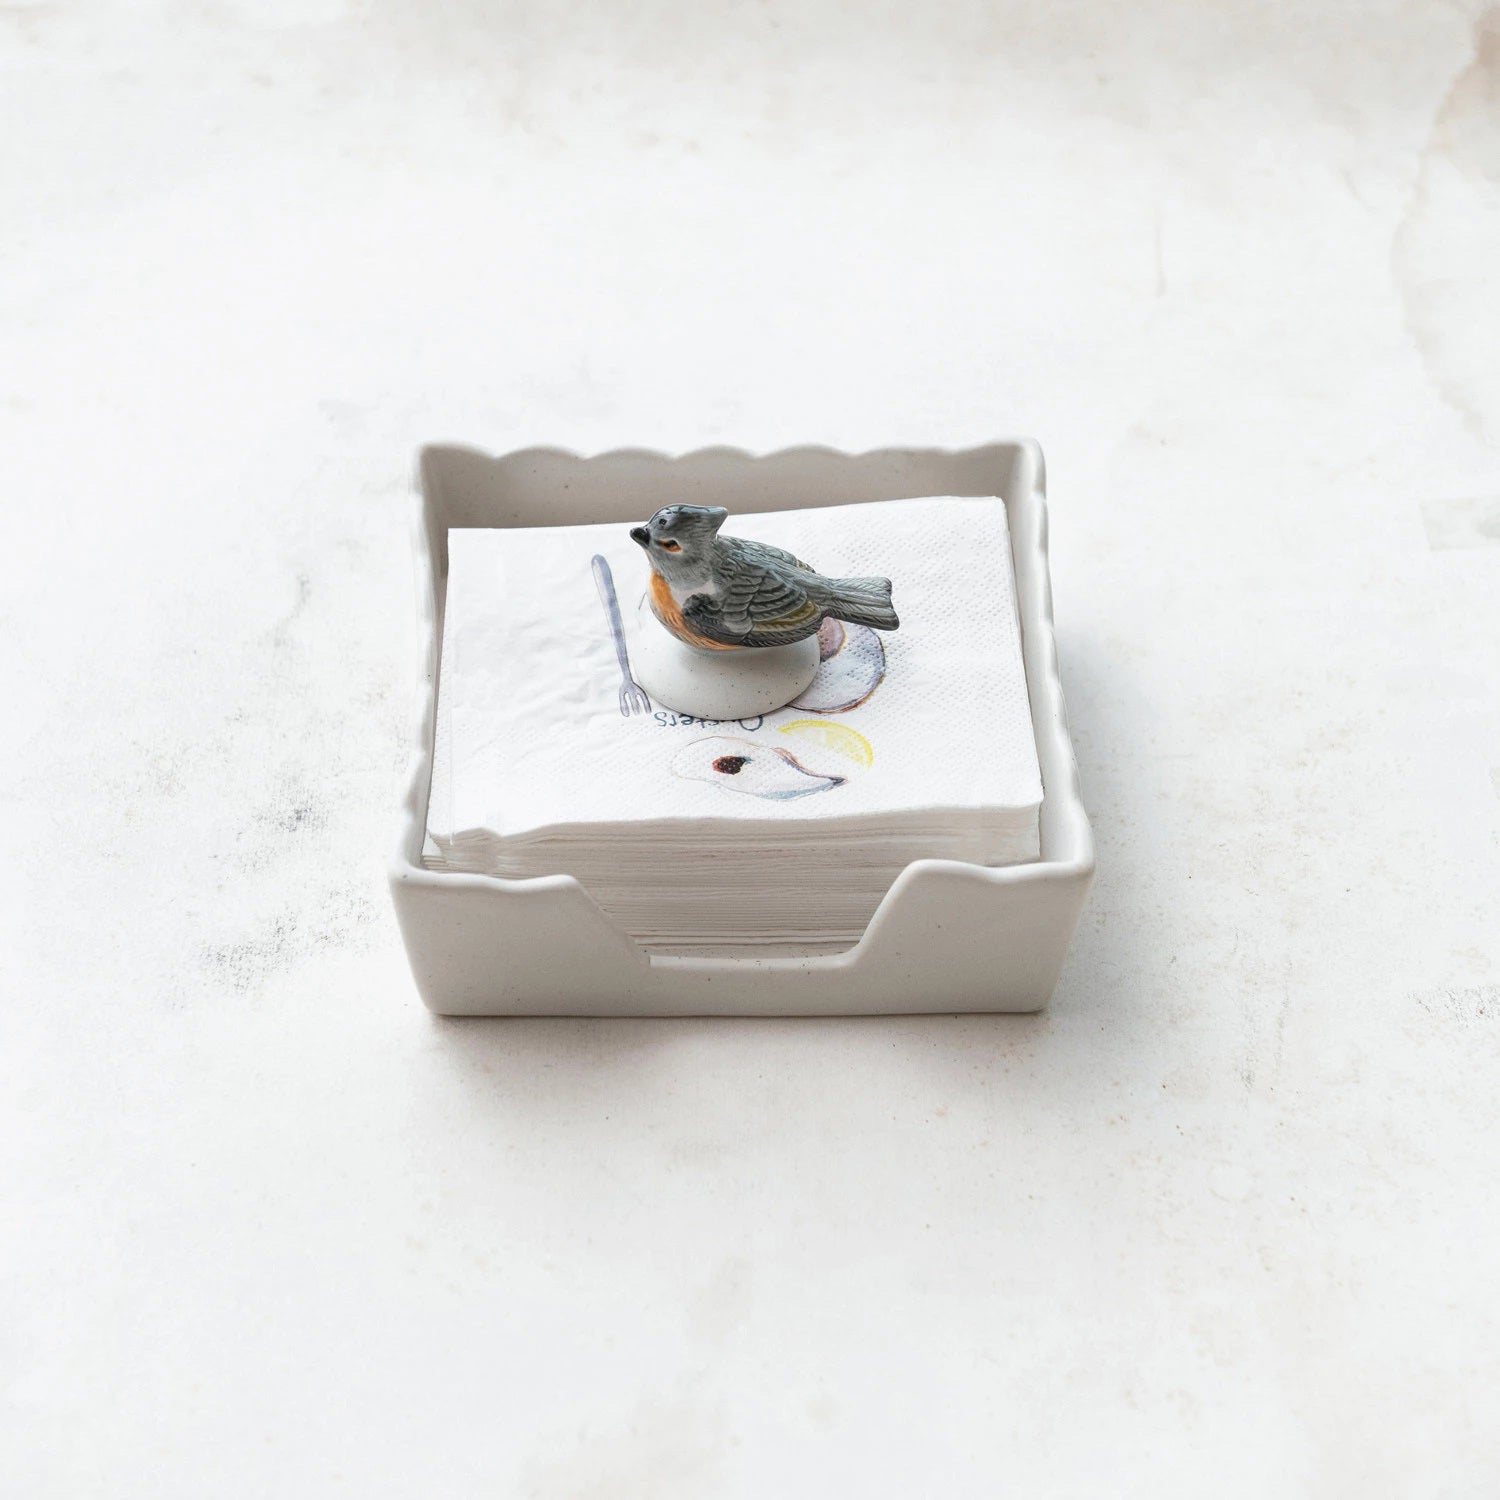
1223	1222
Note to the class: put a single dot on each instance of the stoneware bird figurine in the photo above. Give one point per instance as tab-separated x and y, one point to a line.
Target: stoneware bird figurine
723	593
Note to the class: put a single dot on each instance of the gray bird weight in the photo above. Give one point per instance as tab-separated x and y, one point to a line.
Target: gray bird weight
725	593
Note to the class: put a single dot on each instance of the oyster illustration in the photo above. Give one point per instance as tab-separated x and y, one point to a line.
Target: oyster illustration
756	770
851	668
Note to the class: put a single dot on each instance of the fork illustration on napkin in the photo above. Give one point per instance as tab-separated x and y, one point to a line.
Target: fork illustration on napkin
633	699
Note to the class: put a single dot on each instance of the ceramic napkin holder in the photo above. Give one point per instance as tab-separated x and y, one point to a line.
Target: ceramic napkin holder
947	937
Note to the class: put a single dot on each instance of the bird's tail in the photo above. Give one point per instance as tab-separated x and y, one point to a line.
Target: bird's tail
861	601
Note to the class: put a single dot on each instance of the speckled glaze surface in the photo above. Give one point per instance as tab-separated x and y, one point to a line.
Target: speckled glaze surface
947	937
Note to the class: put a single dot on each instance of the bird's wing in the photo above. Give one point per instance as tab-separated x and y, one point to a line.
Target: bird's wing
738	548
756	606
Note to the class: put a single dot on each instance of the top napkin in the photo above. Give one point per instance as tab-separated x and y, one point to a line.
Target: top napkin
932	716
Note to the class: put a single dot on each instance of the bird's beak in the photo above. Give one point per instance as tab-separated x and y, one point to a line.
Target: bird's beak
641	535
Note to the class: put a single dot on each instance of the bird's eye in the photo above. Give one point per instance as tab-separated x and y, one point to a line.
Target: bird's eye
671	546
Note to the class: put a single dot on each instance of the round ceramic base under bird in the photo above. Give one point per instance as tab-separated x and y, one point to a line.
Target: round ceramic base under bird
729	600
718	684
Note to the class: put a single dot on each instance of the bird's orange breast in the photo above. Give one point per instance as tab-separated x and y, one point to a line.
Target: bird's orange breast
667	610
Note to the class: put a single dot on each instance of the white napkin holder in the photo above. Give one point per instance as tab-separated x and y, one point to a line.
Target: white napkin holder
947	937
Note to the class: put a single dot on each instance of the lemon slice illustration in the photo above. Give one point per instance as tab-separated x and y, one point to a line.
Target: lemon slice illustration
839	738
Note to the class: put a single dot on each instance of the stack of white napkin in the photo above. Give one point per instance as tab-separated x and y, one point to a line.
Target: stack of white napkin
776	833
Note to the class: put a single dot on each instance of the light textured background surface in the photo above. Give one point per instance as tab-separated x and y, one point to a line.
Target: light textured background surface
1223	1222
